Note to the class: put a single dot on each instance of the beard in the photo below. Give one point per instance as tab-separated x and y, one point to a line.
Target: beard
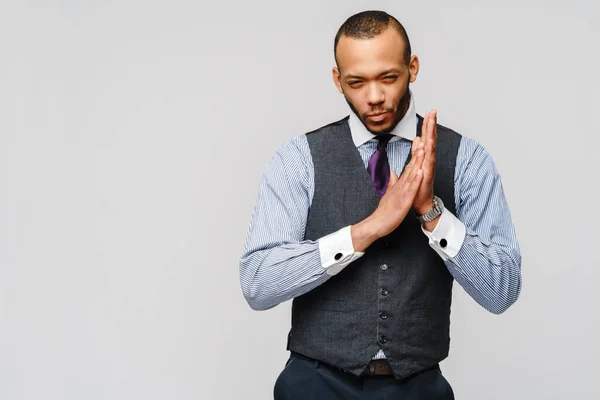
400	110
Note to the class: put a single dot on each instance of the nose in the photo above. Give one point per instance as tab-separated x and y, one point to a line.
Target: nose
375	94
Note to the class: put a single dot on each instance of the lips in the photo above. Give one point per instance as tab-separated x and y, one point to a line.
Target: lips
378	116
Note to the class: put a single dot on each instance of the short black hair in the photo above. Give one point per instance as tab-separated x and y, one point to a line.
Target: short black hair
367	25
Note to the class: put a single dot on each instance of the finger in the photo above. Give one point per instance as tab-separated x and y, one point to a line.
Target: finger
419	159
431	143
416	164
416	145
413	148
393	178
413	189
418	149
424	127
430	123
429	160
391	182
416	161
428	166
419	143
433	127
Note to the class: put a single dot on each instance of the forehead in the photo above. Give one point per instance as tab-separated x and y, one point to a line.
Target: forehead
383	51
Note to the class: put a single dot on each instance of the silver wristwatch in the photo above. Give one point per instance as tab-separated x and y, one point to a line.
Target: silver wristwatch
436	211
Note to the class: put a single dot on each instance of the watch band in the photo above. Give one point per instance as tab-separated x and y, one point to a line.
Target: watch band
436	211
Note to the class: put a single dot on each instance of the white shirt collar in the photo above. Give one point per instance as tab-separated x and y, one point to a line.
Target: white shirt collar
406	128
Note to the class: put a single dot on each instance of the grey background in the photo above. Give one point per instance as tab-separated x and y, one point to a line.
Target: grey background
132	138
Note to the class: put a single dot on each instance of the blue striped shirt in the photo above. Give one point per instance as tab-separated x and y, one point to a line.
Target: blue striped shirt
277	264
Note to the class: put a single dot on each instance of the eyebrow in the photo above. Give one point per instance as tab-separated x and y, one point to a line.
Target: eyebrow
387	71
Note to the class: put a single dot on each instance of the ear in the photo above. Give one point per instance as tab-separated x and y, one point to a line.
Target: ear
413	68
337	78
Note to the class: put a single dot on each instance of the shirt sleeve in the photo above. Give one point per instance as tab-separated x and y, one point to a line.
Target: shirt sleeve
448	236
277	264
479	245
337	251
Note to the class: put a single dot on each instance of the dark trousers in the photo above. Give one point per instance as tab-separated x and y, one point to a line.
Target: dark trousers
306	379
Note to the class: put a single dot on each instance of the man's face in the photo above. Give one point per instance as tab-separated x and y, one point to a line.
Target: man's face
374	78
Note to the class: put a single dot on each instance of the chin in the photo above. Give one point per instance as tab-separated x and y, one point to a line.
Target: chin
380	128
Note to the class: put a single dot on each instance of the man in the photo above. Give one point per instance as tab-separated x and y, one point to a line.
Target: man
366	222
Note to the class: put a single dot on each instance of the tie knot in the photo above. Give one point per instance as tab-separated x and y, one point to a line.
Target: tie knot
383	140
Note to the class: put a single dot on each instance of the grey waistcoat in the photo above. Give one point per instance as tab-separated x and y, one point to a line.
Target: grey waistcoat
397	296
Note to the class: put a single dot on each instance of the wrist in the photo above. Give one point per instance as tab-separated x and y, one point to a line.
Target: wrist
424	208
430	214
364	234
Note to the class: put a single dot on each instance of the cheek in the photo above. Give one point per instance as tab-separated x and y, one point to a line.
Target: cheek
357	100
396	93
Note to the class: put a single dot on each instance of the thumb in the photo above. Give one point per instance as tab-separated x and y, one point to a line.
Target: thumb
393	178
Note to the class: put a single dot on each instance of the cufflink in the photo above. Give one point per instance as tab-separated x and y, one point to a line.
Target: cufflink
443	243
338	256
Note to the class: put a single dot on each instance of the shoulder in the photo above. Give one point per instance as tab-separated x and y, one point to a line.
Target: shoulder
446	131
474	151
448	139
296	149
329	127
290	158
474	164
323	140
472	158
468	148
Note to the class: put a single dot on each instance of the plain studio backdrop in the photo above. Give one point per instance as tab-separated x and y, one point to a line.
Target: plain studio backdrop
133	135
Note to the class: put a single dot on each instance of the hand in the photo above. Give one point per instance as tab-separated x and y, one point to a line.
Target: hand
424	198
395	203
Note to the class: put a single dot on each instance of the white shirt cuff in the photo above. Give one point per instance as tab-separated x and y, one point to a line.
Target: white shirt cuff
448	236
337	251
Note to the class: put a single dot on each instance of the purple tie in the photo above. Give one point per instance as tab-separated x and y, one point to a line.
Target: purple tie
379	168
